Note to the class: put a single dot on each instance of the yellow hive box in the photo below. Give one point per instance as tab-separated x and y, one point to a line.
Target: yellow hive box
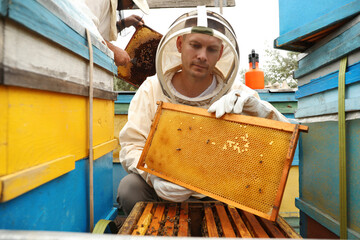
240	160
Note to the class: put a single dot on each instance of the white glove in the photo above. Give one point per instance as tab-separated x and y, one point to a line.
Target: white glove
170	191
231	102
241	102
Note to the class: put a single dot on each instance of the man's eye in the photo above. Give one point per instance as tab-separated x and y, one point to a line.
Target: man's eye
213	50
196	45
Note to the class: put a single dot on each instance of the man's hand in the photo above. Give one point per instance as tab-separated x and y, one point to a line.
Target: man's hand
121	57
133	20
237	102
231	102
170	191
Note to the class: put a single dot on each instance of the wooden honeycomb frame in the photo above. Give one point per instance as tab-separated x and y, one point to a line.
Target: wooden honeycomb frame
249	171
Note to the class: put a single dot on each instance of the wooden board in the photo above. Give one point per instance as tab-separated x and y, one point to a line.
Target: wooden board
345	43
305	34
215	219
34	66
189	3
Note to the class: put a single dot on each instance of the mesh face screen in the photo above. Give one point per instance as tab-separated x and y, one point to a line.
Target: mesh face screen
238	162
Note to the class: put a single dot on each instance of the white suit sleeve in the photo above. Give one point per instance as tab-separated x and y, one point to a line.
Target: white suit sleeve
135	132
255	106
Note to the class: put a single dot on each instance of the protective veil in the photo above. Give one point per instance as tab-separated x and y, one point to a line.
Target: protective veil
168	61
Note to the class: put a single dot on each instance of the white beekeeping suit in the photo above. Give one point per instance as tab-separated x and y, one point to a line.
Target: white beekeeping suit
168	61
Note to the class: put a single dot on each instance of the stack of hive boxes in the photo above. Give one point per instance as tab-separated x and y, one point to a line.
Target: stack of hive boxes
326	33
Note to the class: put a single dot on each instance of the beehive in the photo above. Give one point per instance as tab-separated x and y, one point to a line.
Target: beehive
240	160
201	219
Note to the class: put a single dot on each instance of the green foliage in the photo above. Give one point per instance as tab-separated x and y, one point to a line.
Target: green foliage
121	85
280	67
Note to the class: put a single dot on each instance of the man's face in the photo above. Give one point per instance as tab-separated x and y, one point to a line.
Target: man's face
199	54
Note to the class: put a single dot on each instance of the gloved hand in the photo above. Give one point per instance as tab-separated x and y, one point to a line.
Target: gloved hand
231	102
170	191
241	102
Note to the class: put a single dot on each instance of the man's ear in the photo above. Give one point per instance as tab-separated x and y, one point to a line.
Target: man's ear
221	51
179	42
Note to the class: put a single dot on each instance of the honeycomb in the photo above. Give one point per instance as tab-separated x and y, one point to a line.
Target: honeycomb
142	50
240	164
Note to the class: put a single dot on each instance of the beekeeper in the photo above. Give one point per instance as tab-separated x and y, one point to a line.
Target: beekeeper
197	65
103	14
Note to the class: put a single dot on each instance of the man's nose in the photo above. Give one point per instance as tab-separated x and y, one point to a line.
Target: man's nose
202	54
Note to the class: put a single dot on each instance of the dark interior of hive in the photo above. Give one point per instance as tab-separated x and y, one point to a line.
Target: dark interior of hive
142	50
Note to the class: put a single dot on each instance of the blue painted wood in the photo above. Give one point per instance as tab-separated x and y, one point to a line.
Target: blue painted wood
329	108
323	219
294	26
333	50
319	176
3	7
34	16
124	97
290	16
329	81
278	96
63	203
118	174
327	102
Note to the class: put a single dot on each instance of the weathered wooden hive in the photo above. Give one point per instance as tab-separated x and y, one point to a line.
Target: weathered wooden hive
328	102
201	219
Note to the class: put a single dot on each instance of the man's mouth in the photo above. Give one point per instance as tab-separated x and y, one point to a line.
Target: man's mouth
200	65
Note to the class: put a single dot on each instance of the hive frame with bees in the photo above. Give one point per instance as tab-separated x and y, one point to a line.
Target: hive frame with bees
240	160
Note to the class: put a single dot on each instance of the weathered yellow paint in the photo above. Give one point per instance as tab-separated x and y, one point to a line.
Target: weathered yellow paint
288	208
46	125
103	121
14	185
119	122
104	148
3	129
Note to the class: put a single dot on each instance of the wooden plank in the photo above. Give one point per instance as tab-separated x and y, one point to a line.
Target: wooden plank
241	228
278	96
227	228
210	221
121	108
51	27
329	81
32	80
16	184
327	108
317	25
169	228
336	48
287	228
72	68
272	228
234	117
156	220
104	148
130	222
188	3
54	121
144	220
184	220
4	107
257	230
3	7
285	107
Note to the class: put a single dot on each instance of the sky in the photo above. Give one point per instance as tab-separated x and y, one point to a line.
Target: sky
255	22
